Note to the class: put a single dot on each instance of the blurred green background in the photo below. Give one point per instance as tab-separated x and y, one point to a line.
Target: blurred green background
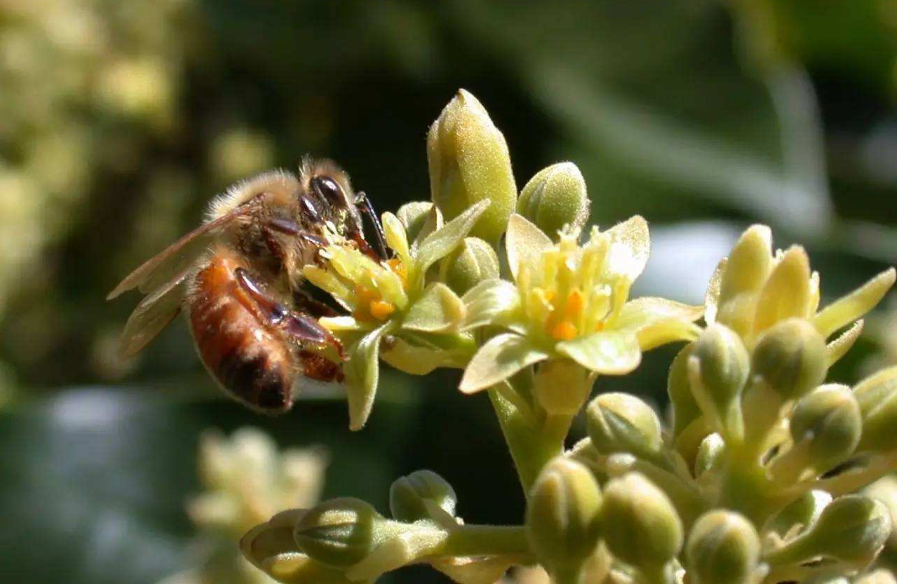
119	120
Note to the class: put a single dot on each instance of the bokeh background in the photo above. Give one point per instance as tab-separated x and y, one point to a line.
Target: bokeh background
119	120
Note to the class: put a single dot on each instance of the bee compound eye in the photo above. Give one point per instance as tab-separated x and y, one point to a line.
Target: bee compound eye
328	189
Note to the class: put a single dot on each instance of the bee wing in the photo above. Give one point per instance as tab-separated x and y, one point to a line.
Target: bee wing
152	315
178	257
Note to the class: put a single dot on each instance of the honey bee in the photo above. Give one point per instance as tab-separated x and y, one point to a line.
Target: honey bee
238	280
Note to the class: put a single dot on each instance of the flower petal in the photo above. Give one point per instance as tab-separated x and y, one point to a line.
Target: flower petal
837	348
488	302
443	241
786	293
417	356
610	352
362	374
749	263
499	359
630	247
525	243
394	232
711	298
438	309
645	311
330	283
667	331
854	305
340	324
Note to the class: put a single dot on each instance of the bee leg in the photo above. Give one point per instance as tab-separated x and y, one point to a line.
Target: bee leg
376	239
300	326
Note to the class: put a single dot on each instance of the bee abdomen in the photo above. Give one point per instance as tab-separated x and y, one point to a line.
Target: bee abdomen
247	360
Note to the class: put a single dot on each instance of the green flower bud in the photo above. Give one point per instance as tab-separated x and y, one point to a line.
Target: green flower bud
800	514
685	409
339	532
724	548
555	197
885	491
271	548
827	424
852	529
641	526
563	516
718	370
877	396
469	162
413	216
473	262
791	358
409	495
562	386
622	422
710	456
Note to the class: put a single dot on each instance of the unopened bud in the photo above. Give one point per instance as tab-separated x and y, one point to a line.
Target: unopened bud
827	423
563	515
885	491
791	358
409	495
685	409
800	514
271	548
852	529
339	532
473	262
641	526
554	198
723	547
413	216
719	366
877	397
620	422
469	162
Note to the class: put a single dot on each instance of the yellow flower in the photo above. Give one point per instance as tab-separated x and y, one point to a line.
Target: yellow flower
393	298
753	290
571	301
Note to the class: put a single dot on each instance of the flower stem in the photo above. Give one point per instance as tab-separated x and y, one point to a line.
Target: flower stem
531	447
479	540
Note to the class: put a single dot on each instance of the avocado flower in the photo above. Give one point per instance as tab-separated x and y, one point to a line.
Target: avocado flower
570	302
395	311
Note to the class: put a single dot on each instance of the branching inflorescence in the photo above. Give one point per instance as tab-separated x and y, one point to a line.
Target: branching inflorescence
755	476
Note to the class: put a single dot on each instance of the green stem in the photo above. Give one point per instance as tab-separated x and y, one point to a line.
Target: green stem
531	446
479	540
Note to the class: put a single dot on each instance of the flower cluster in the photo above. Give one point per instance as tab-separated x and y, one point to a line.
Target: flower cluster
756	476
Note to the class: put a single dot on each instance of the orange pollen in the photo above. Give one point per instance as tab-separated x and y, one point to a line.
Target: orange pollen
397	268
599	327
564	331
381	310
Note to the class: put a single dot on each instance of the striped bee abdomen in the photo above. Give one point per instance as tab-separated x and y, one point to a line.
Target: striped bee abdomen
249	359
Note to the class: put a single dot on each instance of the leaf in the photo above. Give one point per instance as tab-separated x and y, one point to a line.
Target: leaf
836	349
489	301
443	241
525	243
499	359
362	374
609	352
854	305
630	248
438	309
